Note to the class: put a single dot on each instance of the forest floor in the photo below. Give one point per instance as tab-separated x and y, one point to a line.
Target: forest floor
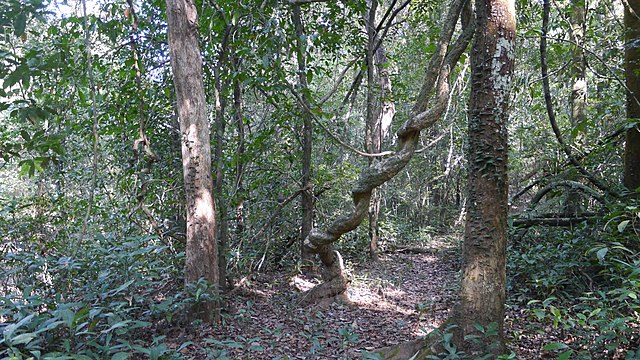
399	298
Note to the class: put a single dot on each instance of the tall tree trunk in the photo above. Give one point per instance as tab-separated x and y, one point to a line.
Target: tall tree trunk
578	100
372	141
186	64
221	203
307	136
482	293
632	72
239	119
380	113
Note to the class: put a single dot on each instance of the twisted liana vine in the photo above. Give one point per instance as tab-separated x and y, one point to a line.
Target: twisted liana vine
320	241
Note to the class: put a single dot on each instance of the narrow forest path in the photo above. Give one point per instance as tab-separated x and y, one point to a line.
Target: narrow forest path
390	301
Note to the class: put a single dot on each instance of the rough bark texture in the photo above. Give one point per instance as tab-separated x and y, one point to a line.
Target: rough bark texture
578	100
482	293
306	201
186	64
320	241
632	71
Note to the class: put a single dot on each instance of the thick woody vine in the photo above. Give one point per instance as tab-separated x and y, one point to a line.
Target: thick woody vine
435	90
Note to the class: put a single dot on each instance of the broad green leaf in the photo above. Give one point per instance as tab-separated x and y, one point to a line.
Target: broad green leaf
622	226
565	355
116	326
120	356
122	287
66	315
479	327
22	339
25	135
49	326
555	346
602	253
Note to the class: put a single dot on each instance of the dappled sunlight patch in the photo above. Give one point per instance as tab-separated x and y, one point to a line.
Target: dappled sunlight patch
392	301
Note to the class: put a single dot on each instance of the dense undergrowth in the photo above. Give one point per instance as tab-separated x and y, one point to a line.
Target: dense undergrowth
102	297
580	285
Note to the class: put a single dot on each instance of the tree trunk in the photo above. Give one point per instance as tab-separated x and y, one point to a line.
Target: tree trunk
482	293
578	100
221	204
186	64
307	137
372	141
239	119
632	72
380	113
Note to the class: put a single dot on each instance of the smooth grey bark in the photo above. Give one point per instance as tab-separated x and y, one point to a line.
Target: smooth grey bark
186	64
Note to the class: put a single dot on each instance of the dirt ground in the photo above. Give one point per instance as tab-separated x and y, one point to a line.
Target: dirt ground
397	299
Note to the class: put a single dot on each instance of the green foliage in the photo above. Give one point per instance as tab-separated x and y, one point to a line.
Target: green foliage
589	280
98	303
448	350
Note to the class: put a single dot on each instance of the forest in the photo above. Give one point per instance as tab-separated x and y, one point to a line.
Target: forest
319	179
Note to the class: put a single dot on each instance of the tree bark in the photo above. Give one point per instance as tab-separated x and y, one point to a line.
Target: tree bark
238	114
482	293
186	64
221	204
380	113
578	100
306	201
632	72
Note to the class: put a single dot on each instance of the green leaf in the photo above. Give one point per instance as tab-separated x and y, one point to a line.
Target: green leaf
25	135
66	315
117	325
121	287
555	346
22	339
478	327
565	355
622	226
602	253
20	24
120	356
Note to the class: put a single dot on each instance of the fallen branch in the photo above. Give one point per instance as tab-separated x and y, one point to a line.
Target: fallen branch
553	221
415	250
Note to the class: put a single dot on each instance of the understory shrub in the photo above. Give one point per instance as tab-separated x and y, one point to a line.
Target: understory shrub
584	283
97	301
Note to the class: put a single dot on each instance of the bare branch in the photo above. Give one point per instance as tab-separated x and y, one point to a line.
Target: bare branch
338	82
